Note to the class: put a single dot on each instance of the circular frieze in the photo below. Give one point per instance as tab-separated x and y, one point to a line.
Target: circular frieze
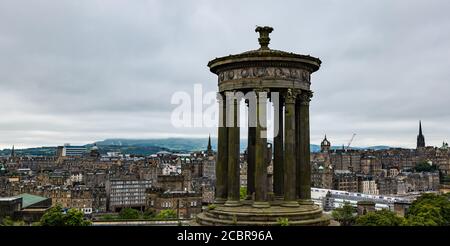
268	72
230	74
244	73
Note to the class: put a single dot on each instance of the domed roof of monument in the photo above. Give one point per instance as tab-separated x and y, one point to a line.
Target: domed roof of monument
264	53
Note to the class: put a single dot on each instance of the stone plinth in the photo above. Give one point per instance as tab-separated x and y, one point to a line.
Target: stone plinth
247	215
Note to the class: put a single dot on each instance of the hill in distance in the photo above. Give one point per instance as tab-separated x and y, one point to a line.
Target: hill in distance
152	146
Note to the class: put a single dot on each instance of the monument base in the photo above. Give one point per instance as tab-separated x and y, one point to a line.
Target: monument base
275	215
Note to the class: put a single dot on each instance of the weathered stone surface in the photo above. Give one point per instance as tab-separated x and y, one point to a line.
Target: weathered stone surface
248	215
259	71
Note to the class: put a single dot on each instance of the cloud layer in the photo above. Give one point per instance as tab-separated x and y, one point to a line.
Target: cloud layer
80	71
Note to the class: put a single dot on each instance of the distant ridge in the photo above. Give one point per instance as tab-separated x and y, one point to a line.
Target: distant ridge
152	146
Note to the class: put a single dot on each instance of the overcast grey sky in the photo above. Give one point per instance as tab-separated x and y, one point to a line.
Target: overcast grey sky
81	71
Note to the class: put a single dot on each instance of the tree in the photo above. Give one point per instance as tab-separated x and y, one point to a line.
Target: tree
425	167
380	218
167	214
429	210
129	214
55	217
75	217
426	215
344	215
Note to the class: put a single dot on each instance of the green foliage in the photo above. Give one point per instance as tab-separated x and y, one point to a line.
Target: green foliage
283	221
149	213
129	214
345	215
425	167
8	221
55	217
75	217
211	207
167	214
429	210
243	193
426	216
108	217
380	218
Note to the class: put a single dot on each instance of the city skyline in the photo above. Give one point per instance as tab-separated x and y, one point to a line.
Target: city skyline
242	144
83	72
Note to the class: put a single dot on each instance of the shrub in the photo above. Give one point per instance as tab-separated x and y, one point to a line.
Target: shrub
380	218
283	221
167	214
129	214
55	217
345	214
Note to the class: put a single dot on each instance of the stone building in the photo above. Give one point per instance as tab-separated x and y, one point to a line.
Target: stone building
186	204
364	207
172	182
208	192
420	182
388	185
325	145
209	167
26	207
126	193
397	158
321	176
345	180
370	165
368	187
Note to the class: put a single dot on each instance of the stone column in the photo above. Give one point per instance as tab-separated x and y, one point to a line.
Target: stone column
260	152
304	150
298	147
221	192
290	198
278	148
233	152
251	162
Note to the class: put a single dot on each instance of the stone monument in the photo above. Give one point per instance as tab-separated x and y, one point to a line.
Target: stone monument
264	75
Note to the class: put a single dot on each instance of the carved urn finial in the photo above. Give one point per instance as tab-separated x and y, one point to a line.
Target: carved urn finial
264	36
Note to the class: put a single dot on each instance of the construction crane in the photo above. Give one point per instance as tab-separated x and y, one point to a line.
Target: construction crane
350	142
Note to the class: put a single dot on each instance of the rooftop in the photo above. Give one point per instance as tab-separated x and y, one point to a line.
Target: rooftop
28	199
8	199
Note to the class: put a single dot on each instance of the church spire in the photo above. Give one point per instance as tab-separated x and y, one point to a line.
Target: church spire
420	137
13	153
209	149
420	127
209	142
